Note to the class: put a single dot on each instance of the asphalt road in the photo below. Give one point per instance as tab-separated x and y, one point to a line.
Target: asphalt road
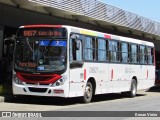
146	100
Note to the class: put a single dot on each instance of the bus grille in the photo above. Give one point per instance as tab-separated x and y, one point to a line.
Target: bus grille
42	90
34	84
39	78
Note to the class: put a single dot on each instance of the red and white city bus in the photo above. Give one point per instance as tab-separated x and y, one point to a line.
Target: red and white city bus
66	61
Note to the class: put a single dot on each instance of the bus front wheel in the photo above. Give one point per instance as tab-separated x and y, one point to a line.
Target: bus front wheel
88	93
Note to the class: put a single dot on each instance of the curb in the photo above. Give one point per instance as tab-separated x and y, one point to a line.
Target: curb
5	93
6	98
2	99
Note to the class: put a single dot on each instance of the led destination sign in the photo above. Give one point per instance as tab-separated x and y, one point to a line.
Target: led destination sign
27	33
42	32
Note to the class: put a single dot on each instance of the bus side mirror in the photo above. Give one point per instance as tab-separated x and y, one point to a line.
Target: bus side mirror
10	40
9	47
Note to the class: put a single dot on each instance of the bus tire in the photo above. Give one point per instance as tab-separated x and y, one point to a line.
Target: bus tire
87	97
133	90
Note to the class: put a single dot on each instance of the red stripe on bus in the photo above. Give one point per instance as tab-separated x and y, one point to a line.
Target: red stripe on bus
147	73
38	26
107	36
84	74
154	56
112	74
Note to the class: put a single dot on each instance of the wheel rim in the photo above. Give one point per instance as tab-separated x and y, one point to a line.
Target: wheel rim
134	89
88	92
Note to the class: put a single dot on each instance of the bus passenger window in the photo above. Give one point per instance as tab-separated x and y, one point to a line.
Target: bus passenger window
142	55
89	49
102	50
134	53
124	52
150	58
113	51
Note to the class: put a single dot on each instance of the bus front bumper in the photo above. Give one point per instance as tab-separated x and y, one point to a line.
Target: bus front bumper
39	90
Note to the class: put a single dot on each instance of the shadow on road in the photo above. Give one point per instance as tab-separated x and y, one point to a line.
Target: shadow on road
113	96
63	101
154	89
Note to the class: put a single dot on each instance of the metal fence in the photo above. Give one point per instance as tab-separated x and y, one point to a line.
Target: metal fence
101	11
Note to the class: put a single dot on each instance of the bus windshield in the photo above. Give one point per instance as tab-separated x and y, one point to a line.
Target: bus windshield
40	55
37	54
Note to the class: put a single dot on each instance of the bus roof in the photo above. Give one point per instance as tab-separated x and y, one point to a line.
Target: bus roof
38	26
94	33
109	36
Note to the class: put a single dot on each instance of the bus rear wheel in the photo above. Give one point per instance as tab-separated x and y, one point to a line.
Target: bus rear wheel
88	93
133	90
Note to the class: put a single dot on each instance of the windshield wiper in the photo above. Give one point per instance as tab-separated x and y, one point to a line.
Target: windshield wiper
27	41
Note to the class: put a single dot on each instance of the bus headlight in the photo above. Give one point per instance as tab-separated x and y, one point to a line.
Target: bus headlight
60	82
16	80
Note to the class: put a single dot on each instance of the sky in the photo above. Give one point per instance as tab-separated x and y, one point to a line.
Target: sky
146	8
